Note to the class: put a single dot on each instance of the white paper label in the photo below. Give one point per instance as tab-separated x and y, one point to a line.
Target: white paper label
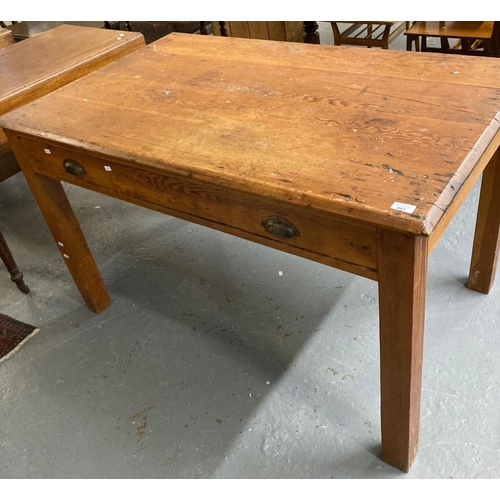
47	151
107	168
403	207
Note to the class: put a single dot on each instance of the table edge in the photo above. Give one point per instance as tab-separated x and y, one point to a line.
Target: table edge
482	151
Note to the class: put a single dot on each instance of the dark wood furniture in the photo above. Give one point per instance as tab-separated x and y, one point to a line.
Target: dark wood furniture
42	64
15	275
355	158
368	33
459	37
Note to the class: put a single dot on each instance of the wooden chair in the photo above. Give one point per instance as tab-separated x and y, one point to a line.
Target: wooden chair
478	38
368	33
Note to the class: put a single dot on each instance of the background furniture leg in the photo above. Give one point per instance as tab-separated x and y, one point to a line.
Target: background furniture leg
486	238
7	258
311	34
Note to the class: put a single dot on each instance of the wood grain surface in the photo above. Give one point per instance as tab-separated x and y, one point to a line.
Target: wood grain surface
344	131
50	60
402	286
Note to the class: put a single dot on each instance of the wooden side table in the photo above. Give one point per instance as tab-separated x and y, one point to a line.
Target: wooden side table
471	37
43	64
353	158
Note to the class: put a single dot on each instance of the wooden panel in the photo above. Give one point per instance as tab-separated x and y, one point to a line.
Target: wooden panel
216	28
54	58
344	139
239	29
294	31
276	31
347	245
290	31
260	30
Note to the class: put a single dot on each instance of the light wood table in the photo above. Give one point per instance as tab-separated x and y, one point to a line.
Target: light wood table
470	35
354	158
35	67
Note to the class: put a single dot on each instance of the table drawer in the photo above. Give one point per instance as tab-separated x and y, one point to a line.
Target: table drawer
298	230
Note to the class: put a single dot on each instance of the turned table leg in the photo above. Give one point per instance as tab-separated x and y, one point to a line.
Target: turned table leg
7	258
223	29
486	238
311	34
402	261
65	229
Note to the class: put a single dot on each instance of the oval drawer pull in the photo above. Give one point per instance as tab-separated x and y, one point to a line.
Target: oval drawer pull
73	167
277	226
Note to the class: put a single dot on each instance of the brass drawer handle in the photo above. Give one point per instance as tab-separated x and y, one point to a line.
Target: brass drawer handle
277	226
73	167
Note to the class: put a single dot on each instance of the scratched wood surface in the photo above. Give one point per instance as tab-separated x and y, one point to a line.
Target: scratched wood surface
346	131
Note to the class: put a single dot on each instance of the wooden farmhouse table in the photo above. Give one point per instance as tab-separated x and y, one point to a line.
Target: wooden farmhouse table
351	157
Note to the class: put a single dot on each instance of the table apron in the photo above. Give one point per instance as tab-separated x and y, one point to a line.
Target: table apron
338	243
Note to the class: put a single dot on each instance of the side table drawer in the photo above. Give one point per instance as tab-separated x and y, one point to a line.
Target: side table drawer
298	230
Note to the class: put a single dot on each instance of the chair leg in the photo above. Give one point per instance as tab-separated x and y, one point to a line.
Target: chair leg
11	265
385	37
336	33
410	40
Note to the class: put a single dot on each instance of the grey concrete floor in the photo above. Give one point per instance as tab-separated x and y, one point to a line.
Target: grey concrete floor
219	358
